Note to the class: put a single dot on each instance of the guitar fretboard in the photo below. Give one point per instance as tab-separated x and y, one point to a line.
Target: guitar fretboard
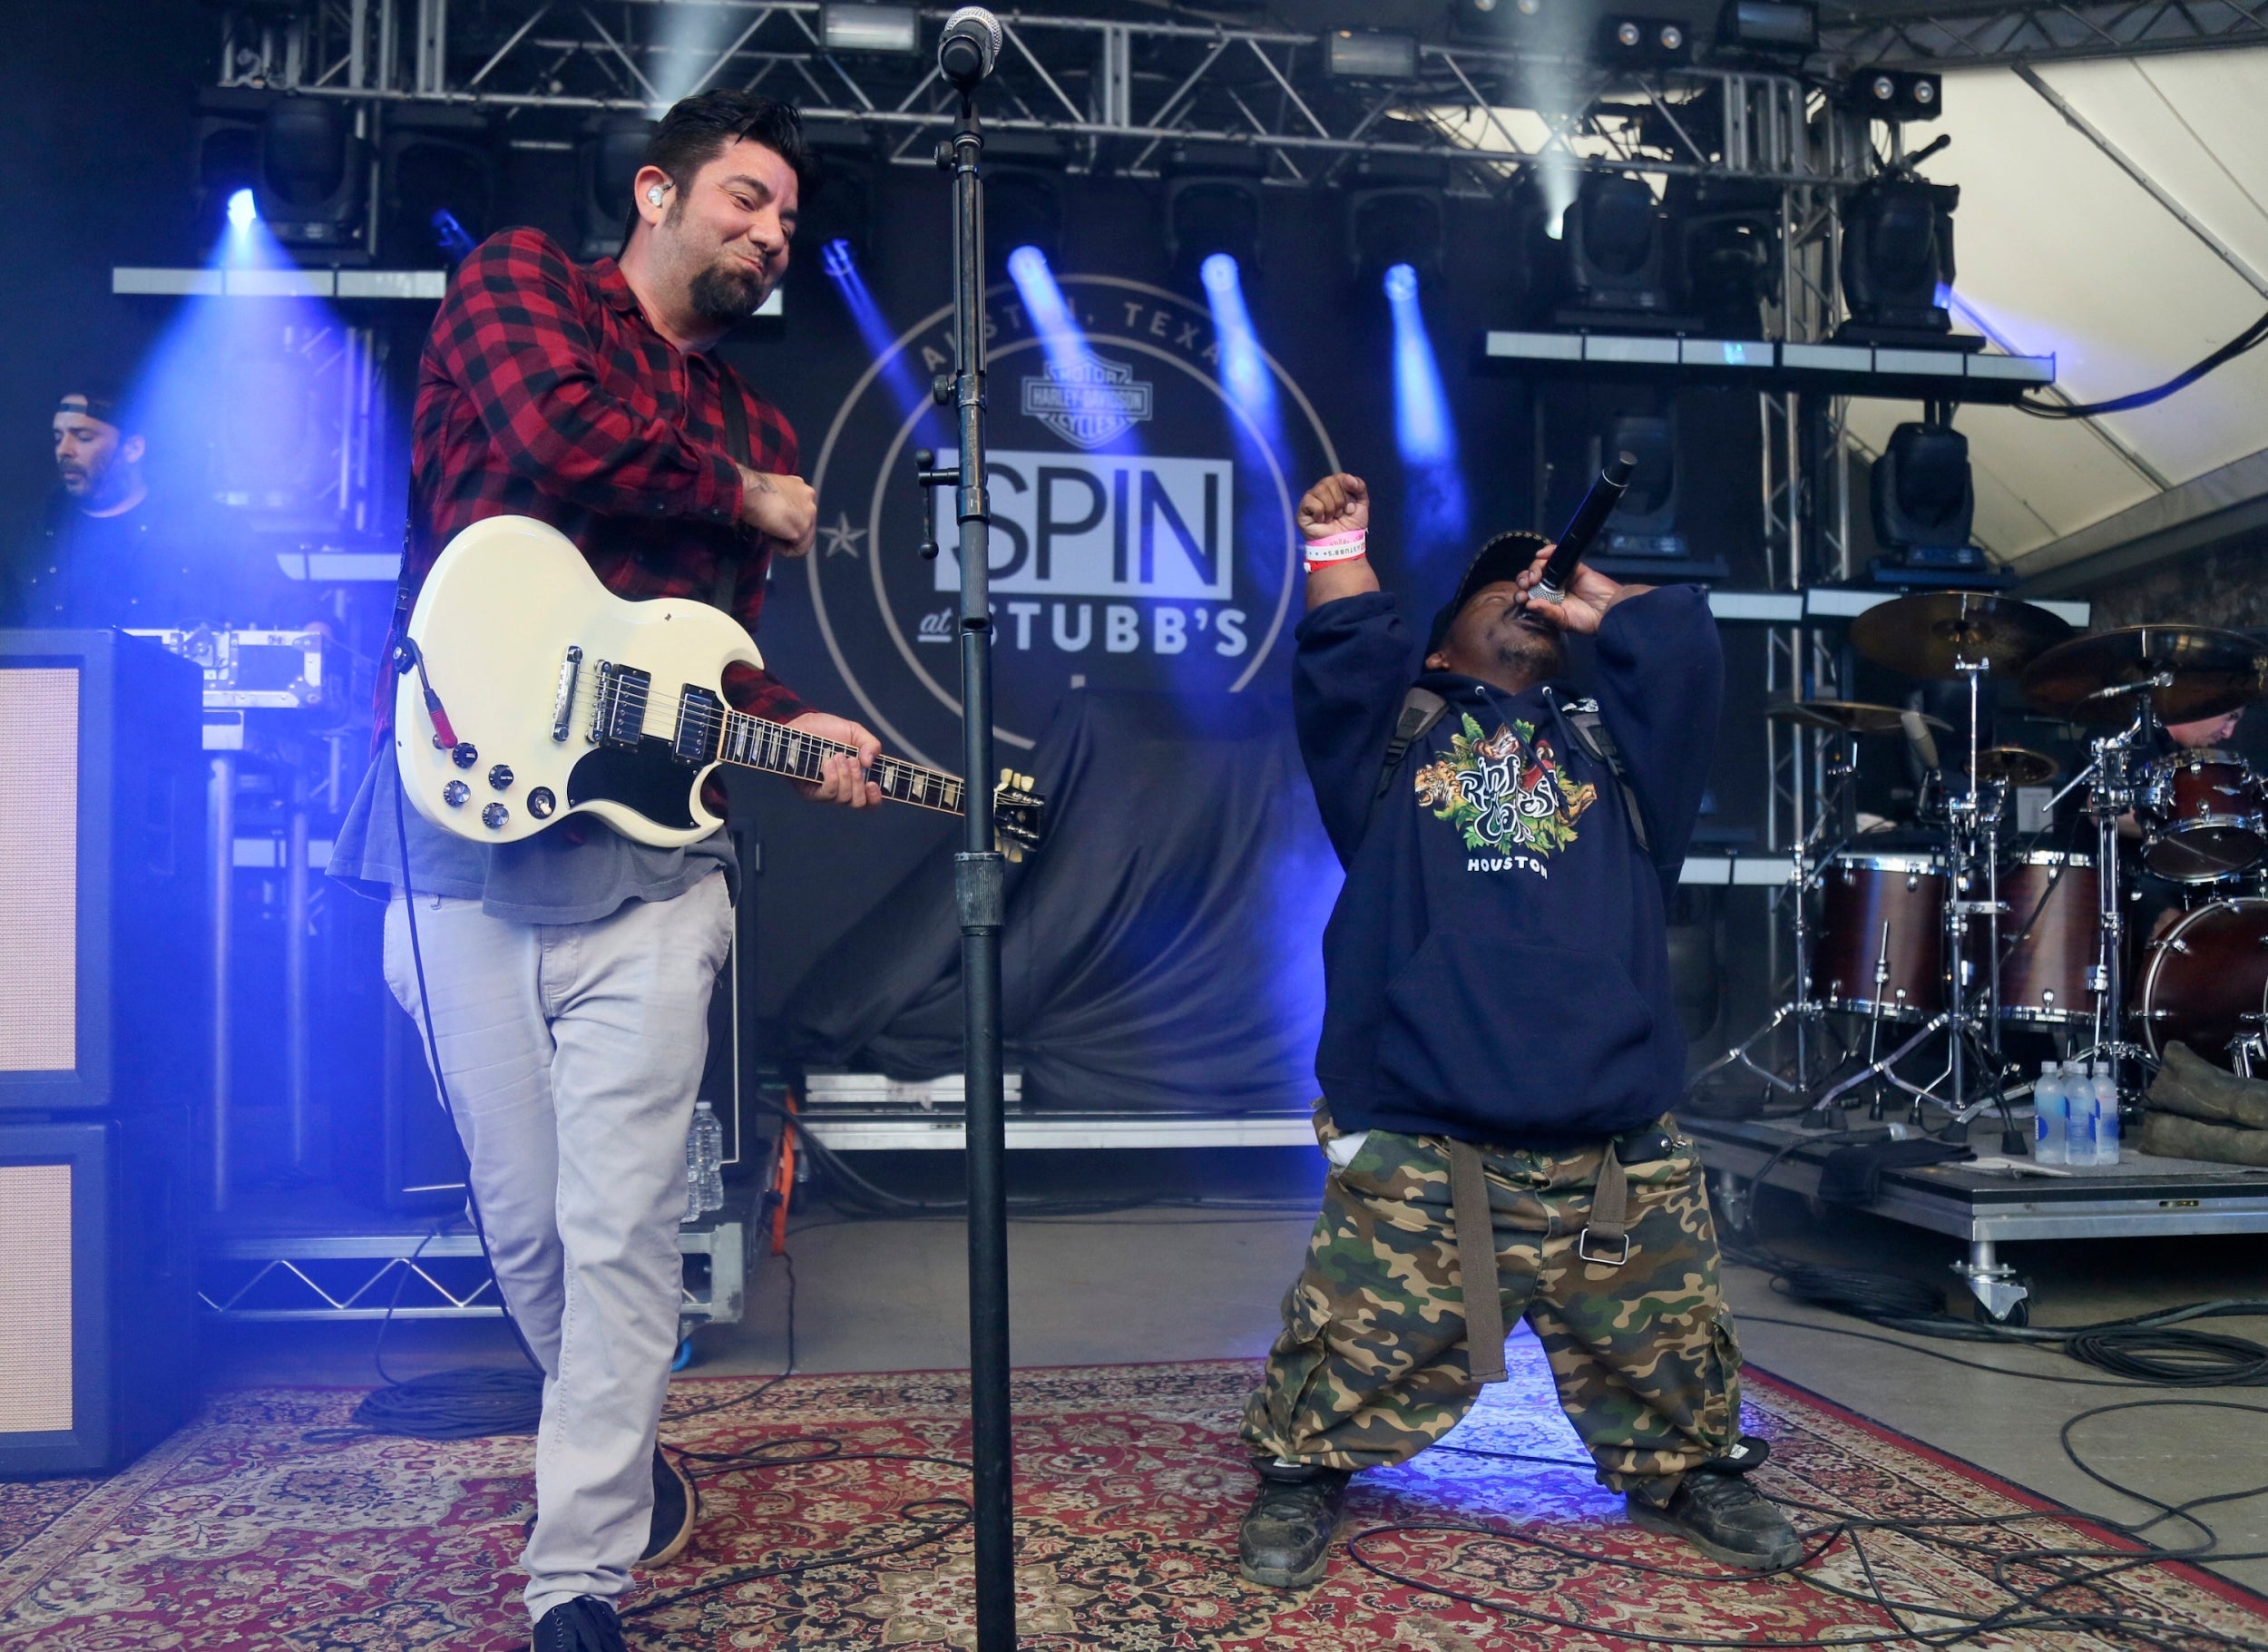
753	742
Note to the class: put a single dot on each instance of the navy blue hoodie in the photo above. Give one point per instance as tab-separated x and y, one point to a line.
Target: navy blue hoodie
1496	968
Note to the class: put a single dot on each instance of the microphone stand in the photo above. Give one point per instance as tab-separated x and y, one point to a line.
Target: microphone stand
980	875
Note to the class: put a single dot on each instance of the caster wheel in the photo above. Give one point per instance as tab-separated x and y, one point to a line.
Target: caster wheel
2018	1316
684	1356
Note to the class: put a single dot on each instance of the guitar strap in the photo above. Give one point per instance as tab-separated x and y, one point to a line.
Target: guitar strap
736	444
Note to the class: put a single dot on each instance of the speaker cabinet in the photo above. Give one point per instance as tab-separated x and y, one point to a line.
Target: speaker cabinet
104	998
95	1305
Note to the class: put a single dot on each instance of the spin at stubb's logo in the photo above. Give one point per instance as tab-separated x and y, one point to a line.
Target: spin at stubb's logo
1507	795
1143	527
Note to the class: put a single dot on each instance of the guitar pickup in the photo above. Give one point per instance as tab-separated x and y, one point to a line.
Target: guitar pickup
700	726
618	714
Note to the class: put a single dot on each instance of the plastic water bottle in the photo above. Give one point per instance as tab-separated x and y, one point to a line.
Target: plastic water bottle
2051	1117
2106	1113
704	1163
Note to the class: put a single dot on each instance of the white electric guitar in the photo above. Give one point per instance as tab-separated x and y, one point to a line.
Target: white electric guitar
533	692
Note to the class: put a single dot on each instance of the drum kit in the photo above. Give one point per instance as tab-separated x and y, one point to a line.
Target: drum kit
1947	946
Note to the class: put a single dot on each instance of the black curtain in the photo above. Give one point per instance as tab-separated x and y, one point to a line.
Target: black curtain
1163	948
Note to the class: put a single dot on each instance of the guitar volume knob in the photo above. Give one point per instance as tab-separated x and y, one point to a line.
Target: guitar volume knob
500	777
494	816
456	793
465	754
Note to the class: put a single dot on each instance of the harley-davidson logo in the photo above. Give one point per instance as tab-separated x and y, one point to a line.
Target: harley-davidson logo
1088	401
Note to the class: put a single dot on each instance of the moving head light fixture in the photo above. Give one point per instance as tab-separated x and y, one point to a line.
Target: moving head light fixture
1397	213
1212	204
1923	501
1898	260
1618	247
313	177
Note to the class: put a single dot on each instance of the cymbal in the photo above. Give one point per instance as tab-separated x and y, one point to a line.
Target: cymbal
2198	673
2016	765
1931	632
1847	717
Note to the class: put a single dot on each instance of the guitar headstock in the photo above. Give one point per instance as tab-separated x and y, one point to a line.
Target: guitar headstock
1018	813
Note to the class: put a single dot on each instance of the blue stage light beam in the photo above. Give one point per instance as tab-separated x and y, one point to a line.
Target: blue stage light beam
243	210
1424	429
1061	339
1244	368
840	260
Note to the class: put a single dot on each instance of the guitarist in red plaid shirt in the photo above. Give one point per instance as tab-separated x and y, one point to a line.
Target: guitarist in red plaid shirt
568	977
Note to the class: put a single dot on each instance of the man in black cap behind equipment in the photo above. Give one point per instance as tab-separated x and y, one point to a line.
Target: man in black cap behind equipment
1499	1050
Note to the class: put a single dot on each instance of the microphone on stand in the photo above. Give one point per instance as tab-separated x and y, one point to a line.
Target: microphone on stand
1923	744
969	47
1590	515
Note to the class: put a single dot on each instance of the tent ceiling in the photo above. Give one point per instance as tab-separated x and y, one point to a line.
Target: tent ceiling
2061	250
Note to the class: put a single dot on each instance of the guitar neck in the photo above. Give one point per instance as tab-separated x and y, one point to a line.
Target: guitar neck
775	749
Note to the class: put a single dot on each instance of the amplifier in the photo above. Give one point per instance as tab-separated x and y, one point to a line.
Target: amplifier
105	991
95	1307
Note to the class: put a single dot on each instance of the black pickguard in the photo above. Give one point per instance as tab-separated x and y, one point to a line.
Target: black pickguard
649	780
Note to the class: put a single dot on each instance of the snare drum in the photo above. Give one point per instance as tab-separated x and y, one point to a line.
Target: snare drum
2203	976
2208	822
1860	893
2049	937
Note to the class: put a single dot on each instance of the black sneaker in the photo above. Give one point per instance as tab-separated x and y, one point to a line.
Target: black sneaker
1285	1541
1726	1519
585	1624
675	1503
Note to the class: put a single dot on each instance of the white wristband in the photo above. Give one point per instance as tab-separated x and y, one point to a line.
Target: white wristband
1337	548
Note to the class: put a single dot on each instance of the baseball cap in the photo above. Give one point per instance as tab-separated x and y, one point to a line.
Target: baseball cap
1505	557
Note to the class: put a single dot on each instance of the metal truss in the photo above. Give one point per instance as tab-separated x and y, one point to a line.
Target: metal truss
1117	95
1964	36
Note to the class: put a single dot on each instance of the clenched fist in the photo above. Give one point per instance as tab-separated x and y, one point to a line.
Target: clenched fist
1336	505
784	509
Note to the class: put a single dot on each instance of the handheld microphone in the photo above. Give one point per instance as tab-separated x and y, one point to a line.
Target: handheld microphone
969	47
1583	527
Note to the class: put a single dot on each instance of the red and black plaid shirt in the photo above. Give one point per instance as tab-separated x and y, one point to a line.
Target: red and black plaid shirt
544	391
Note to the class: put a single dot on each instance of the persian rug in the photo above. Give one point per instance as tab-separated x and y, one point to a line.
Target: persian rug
832	1518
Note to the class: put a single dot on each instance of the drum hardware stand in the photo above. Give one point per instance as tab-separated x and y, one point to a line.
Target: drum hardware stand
2117	789
1807	1011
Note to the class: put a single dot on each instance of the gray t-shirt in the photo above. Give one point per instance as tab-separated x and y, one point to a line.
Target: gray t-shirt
550	878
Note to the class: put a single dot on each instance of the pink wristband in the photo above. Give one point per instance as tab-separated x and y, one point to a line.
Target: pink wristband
1337	548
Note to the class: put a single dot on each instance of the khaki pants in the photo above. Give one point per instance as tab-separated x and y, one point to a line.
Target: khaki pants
572	1051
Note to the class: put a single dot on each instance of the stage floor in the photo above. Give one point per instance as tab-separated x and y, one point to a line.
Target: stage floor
253	1532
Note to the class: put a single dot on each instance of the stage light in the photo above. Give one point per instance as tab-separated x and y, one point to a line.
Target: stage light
1061	341
1898	260
1618	247
313	174
1729	231
1924	505
607	158
436	164
1643	42
243	210
1425	431
1024	206
1896	94
1490	20
1212	205
1775	28
1369	54
869	28
1396	220
1645	524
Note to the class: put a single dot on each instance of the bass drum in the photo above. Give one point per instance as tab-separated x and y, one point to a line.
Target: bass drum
2203	976
2044	966
1863	898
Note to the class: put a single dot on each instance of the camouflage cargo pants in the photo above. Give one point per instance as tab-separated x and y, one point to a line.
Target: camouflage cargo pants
1373	1365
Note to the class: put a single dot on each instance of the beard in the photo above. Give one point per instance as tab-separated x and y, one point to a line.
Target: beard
727	291
1532	649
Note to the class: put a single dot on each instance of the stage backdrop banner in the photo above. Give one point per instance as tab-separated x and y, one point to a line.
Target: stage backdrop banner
1164	949
1143	515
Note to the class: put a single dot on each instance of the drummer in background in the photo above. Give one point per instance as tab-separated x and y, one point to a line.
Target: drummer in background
2206	734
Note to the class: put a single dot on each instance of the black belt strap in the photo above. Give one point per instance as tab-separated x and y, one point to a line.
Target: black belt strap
1476	1262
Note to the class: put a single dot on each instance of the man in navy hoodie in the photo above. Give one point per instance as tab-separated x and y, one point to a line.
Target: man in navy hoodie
1499	1047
